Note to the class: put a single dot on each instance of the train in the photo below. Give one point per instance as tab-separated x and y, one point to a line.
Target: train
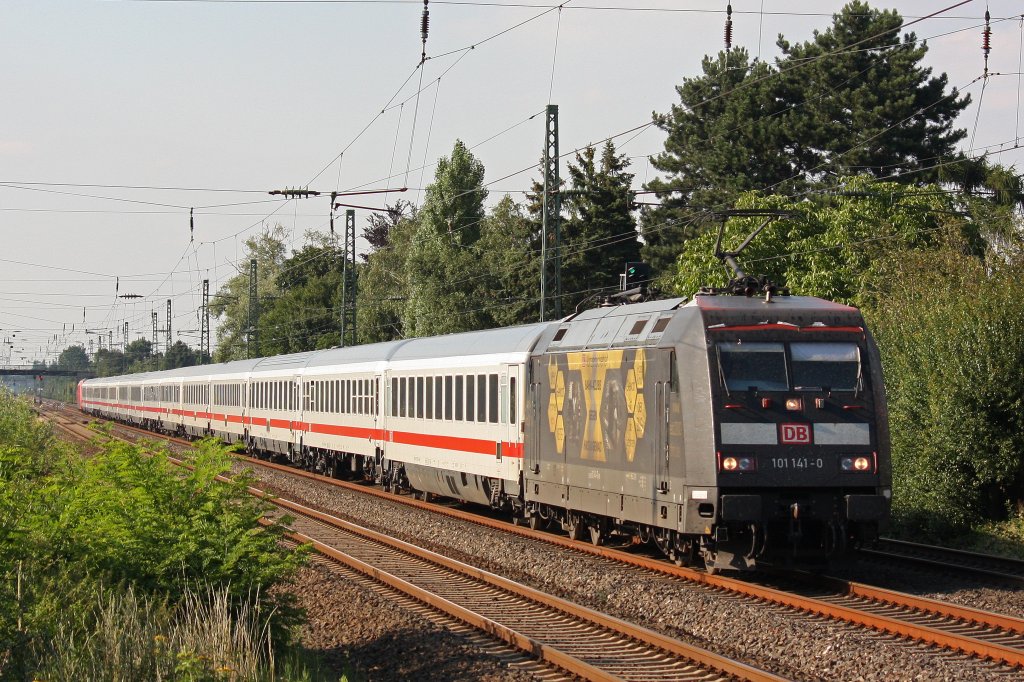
726	430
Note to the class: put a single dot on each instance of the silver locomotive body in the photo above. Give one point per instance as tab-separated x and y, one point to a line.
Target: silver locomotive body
729	428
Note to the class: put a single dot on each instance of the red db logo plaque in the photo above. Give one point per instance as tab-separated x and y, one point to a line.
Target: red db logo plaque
795	434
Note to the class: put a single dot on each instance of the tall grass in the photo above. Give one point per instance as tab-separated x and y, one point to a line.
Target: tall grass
207	635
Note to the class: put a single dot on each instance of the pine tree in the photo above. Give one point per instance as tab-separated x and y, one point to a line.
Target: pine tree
599	232
821	112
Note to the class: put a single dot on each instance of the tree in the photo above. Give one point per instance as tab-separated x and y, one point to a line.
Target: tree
138	353
951	330
828	247
384	287
231	304
305	315
179	355
110	363
510	247
599	233
443	260
73	357
821	112
378	231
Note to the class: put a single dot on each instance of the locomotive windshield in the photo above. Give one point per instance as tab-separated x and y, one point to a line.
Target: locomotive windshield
817	366
757	366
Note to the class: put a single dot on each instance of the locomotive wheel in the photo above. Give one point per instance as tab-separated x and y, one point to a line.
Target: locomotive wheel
596	536
533	522
573	527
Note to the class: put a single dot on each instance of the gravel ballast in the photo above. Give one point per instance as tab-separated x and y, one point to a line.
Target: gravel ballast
767	636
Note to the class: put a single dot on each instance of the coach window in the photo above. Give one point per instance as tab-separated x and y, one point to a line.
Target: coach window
430	397
402	400
438	400
448	400
419	397
470	399
460	397
512	400
492	393
487	410
367	396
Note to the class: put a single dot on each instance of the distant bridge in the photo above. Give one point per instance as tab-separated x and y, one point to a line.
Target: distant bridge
29	371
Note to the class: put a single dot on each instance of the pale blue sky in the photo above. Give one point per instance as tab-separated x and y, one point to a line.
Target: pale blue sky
257	96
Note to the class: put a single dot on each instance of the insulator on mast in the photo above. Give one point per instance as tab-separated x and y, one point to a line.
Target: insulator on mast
986	40
424	30
728	26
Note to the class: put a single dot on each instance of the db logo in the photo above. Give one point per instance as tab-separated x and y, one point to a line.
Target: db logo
795	434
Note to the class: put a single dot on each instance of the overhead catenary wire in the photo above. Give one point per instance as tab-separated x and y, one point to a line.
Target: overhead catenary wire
421	183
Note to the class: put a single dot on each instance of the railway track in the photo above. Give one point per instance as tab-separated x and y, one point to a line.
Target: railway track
564	635
987	566
961	630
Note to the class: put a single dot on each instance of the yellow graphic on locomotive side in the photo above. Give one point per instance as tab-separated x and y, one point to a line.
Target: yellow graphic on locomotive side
596	408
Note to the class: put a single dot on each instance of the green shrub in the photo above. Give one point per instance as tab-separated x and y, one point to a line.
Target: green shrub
126	532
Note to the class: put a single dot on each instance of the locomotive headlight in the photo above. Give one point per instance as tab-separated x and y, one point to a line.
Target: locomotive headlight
739	463
794	404
857	464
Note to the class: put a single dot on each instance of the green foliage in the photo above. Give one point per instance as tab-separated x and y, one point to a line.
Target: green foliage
73	357
305	315
384	286
231	303
124	518
599	233
830	244
510	251
951	330
442	261
819	113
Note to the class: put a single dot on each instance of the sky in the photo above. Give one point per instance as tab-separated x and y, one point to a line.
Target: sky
119	118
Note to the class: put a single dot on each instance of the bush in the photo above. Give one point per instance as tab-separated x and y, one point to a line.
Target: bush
92	550
951	332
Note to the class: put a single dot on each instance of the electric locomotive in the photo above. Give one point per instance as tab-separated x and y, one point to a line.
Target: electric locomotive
728	429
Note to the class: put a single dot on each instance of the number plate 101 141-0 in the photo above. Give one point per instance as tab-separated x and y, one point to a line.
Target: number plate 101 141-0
797	463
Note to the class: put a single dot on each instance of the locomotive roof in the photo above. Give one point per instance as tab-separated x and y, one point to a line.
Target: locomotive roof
778	303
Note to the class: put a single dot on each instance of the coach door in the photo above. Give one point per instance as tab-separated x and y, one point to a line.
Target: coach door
509	413
531	443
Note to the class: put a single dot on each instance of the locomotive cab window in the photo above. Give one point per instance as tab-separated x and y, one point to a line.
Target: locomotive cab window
825	366
753	366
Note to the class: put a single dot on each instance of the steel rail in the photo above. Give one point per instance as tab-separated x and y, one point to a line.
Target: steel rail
702	657
631	636
929	634
990	566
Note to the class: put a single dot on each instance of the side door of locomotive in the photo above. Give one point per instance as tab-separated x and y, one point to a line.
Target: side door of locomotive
662	370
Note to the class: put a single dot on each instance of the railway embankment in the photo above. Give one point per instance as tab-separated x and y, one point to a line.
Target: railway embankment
114	567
